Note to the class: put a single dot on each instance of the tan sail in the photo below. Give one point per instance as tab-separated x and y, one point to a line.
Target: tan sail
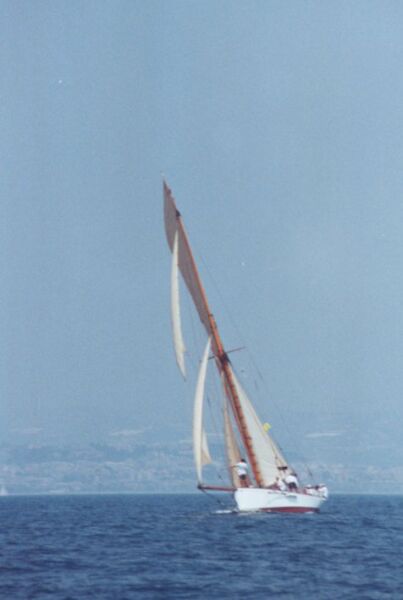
173	228
270	460
179	344
200	448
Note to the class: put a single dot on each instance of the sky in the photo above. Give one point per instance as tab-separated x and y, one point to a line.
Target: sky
278	126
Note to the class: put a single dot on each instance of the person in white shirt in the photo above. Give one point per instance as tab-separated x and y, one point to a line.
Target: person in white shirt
242	471
292	481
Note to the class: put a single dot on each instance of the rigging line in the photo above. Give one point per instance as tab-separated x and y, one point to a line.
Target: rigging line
213	497
232	319
225	305
220	470
220	477
216	431
212	415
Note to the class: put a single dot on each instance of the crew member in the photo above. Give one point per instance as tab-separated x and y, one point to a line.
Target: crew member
242	471
292	481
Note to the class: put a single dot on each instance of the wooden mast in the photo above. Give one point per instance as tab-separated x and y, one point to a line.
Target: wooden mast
221	357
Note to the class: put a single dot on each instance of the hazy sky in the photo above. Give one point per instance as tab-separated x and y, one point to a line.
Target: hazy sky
278	125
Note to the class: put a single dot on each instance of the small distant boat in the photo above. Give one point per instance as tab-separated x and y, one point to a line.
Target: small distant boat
3	491
269	482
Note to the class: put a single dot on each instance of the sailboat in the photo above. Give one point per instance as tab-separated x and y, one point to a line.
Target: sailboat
266	482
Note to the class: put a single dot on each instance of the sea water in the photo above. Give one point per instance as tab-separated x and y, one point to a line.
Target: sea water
193	546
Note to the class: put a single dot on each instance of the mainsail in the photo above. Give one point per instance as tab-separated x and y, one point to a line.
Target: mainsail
179	344
200	448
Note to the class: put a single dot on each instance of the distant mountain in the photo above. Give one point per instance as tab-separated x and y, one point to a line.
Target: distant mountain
34	469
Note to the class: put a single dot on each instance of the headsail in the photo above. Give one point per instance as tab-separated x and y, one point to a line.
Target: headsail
200	448
175	310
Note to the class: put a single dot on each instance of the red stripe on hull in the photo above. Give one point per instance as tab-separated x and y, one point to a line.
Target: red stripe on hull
291	509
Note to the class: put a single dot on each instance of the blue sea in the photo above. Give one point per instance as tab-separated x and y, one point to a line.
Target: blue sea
192	546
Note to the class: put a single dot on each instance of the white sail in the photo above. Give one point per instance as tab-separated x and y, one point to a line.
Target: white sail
233	453
200	447
175	310
269	457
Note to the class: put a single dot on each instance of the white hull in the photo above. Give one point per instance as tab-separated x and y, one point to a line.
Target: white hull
259	499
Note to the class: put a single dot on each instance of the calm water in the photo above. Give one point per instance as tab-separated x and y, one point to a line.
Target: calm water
156	547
